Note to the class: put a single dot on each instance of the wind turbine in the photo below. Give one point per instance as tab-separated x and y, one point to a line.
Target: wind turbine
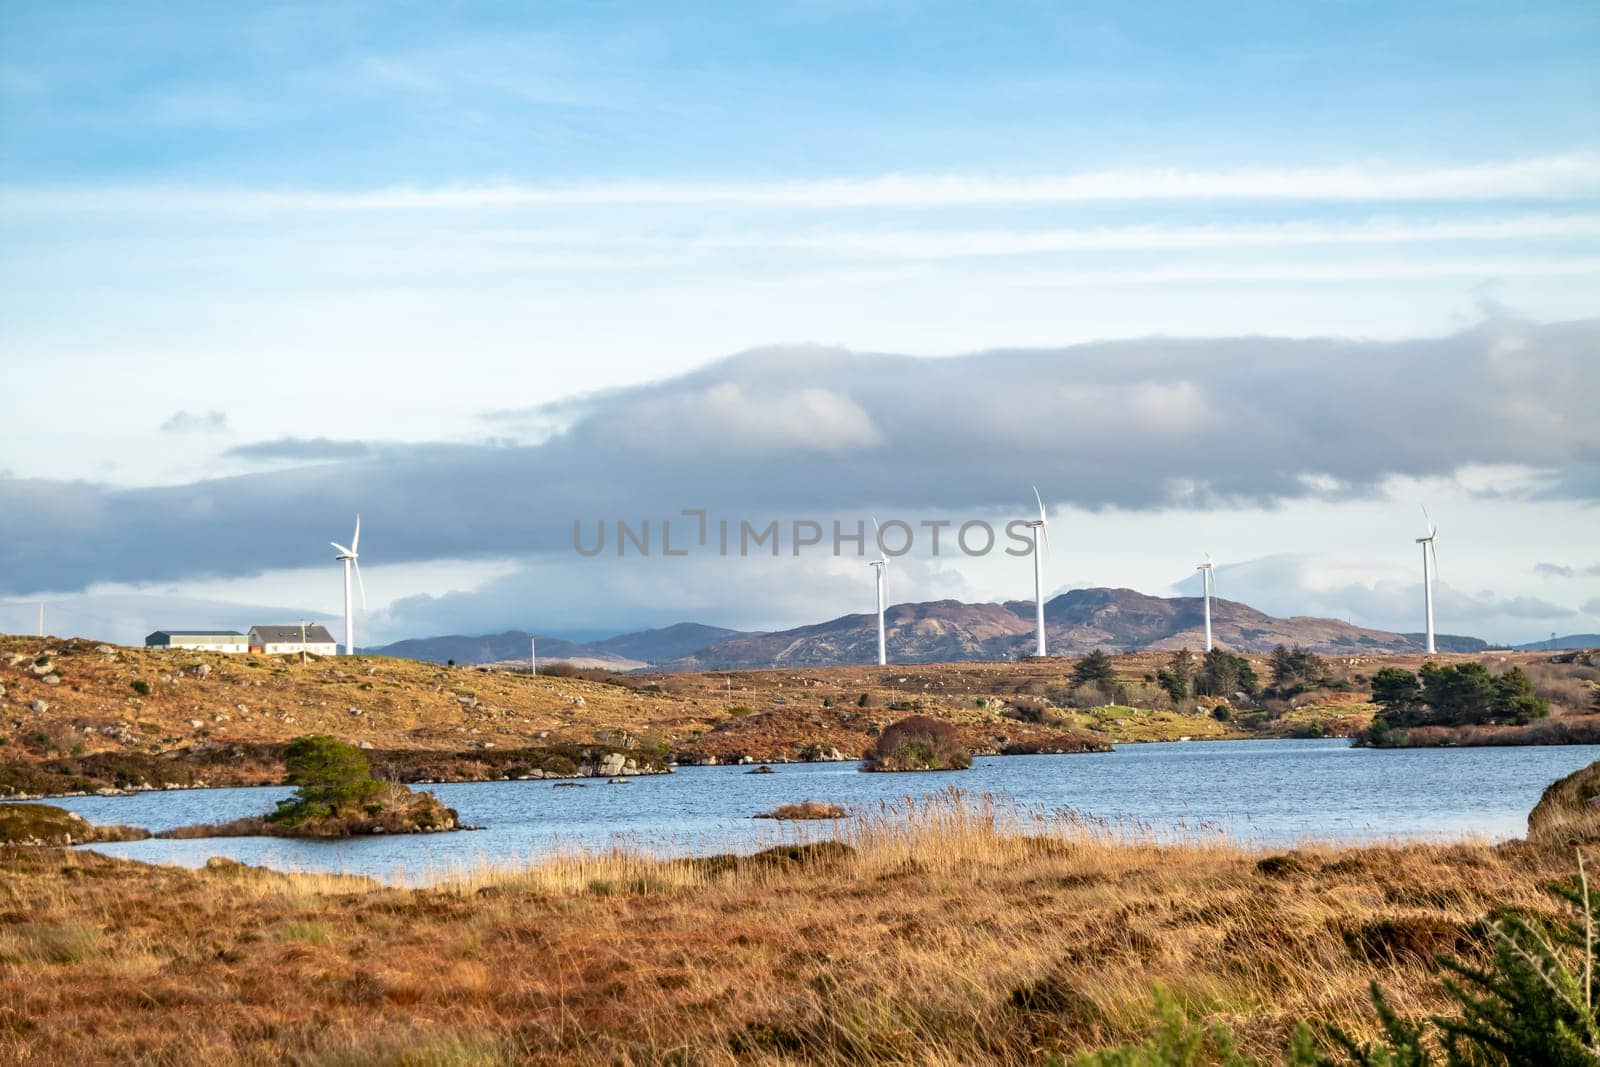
1040	540
350	558
881	566
1430	567
1205	584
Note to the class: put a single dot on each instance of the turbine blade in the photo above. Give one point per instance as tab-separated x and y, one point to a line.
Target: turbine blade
361	585
1040	501
355	542
343	550
1433	555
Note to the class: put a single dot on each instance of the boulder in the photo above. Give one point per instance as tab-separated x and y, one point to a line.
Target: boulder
38	707
611	765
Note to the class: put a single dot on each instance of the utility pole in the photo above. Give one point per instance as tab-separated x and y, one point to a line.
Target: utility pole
533	656
41	618
302	642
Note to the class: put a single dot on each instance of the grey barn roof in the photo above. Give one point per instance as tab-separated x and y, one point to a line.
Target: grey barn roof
279	635
196	633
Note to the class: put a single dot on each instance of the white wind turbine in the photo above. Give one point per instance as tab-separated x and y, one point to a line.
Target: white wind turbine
1205	584
1430	569
350	558
881	566
1041	539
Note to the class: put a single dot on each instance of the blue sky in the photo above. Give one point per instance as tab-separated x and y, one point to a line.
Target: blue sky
230	230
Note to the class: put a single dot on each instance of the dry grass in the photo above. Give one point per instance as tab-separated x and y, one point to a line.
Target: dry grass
942	932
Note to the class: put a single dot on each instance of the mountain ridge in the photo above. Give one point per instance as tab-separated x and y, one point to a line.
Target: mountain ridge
1076	622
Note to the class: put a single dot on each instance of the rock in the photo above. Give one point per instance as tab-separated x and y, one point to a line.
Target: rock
196	723
576	702
611	764
364	744
763	769
567	785
202	670
745	760
39	668
105	650
353	710
38	707
51	679
620	781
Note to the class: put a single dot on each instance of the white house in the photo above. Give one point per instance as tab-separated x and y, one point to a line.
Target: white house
293	638
199	640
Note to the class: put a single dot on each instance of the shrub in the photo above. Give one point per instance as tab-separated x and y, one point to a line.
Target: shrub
918	743
334	779
140	686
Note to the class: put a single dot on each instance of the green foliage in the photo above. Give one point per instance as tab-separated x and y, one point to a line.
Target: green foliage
1177	677
140	686
1223	674
1095	669
1462	694
333	779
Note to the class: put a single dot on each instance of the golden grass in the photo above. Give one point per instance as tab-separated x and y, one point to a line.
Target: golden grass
947	931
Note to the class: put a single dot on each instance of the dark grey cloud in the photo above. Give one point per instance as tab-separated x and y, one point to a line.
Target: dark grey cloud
192	422
299	448
1134	424
1554	570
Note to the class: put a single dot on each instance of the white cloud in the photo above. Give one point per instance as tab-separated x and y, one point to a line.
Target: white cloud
1559	177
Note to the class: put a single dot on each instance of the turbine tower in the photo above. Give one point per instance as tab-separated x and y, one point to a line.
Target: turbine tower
1040	540
1430	567
351	558
881	566
1205	583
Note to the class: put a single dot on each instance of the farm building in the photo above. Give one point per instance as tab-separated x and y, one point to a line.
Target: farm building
199	640
293	638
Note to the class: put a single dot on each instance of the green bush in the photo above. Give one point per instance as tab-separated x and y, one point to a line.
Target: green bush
140	686
333	779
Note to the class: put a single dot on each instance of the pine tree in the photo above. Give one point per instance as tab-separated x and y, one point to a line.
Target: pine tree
1095	669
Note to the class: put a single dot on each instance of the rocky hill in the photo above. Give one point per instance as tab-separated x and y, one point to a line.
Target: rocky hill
1117	620
943	631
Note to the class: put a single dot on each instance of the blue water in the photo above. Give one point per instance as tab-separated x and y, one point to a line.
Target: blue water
1271	792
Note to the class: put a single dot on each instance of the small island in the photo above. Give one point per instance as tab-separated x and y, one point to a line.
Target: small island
336	796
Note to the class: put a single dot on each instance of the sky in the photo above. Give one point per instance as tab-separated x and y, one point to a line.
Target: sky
1259	280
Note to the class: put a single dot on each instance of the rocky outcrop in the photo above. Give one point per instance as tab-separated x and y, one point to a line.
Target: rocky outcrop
43	825
1569	811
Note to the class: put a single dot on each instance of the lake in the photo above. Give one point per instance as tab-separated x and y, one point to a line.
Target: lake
1270	792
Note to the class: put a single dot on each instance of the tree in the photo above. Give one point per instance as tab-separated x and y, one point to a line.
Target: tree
333	778
1296	669
1397	691
1094	669
1459	695
1177	677
1515	700
1223	674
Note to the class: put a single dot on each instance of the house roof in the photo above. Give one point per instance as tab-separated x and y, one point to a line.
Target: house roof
196	633
278	635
